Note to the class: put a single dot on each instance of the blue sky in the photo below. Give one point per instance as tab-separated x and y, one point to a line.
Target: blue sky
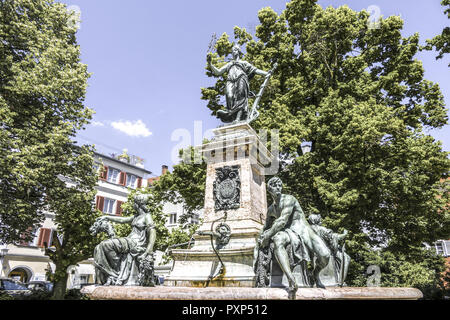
147	61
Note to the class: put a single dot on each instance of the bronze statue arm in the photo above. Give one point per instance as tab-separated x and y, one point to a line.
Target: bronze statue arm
218	72
342	236
262	72
280	222
277	225
215	70
117	219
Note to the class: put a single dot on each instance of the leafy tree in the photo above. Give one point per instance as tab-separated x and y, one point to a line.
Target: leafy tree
181	236
441	42
185	184
359	96
42	89
71	201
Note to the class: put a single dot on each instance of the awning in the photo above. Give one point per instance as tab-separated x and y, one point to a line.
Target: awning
52	267
85	269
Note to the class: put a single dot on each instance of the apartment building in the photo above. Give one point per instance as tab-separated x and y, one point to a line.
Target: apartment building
27	261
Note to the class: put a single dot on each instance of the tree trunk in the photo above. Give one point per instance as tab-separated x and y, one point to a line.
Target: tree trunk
59	288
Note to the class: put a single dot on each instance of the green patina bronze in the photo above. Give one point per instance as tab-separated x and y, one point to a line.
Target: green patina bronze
293	241
127	260
237	88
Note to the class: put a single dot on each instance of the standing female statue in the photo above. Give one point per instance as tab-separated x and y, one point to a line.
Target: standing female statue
237	89
118	260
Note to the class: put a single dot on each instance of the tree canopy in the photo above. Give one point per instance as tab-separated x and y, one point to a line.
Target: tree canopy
359	96
185	184
441	42
42	91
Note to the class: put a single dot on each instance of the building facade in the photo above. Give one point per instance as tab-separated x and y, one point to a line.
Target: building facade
118	175
26	261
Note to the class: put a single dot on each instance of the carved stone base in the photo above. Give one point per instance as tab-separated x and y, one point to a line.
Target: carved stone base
183	293
201	268
279	279
235	194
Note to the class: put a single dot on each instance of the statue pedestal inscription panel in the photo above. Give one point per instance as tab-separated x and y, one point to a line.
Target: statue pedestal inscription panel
235	195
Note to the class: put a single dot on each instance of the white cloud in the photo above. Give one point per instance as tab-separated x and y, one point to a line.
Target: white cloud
98	124
132	128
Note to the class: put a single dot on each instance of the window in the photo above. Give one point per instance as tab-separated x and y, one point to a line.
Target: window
446	247
113	174
173	218
443	247
108	206
439	248
195	218
34	242
131	180
84	278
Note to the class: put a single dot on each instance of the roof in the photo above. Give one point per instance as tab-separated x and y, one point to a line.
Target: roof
121	162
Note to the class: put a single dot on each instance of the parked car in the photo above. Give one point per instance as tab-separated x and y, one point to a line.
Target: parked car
13	287
36	285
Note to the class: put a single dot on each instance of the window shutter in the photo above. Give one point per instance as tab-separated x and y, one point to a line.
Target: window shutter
139	182
119	208
104	173
100	202
44	237
40	237
123	178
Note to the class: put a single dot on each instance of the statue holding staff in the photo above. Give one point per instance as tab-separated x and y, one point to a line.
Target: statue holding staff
237	88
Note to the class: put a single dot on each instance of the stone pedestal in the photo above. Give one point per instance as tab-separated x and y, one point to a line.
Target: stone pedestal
203	294
238	147
279	279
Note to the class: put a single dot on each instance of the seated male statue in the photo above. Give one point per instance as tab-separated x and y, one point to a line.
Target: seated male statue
286	226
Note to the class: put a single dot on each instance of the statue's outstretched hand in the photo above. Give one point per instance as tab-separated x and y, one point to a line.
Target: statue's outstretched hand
146	255
264	240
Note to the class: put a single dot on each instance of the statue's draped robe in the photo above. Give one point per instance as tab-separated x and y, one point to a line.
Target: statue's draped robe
337	253
237	90
116	258
297	249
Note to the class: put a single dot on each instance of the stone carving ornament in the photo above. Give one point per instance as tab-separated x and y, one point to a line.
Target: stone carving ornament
227	188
